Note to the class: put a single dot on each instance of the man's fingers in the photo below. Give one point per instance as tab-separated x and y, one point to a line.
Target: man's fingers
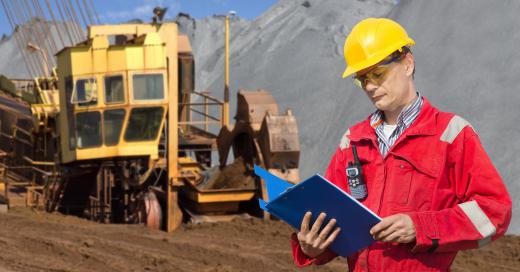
385	223
317	225
325	231
382	234
385	232
305	222
331	238
392	236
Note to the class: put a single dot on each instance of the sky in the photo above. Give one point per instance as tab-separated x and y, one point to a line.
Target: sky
116	11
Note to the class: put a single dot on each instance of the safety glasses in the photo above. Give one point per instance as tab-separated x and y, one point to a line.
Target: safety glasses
378	74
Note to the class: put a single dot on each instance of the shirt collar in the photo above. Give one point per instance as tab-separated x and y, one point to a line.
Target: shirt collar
403	119
426	125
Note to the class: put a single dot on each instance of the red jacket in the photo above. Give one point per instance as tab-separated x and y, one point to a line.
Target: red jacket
438	173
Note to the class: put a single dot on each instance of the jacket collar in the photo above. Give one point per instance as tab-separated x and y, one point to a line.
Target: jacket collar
424	125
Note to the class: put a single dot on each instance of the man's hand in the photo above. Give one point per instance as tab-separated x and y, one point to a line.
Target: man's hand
312	242
397	228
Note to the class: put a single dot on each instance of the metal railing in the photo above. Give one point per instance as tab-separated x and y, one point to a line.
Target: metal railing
203	114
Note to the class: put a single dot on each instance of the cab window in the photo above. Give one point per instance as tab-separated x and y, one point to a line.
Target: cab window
86	92
144	124
88	129
113	122
114	89
148	86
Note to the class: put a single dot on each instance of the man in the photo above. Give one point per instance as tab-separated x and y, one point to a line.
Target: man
426	173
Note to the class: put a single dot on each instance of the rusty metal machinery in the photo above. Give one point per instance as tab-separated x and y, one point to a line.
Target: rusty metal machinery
117	134
262	135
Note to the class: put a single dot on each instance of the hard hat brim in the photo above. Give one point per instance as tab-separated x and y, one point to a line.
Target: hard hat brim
348	71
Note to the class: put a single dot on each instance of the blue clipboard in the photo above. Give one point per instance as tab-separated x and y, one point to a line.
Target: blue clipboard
290	202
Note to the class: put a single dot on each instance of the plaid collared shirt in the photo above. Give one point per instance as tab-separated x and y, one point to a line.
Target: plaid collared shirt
404	120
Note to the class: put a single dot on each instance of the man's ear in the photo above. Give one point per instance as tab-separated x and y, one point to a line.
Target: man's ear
409	62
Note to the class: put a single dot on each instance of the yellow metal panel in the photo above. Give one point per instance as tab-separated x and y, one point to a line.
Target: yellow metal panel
101	88
100	42
154	57
121	150
128	150
116	59
153	52
152	38
45	109
219	197
64	62
99	54
97	153
81	61
134	57
187	160
99	61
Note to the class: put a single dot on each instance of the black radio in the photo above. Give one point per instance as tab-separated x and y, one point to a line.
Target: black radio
356	182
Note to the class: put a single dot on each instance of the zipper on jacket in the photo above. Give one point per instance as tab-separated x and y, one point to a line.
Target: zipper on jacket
382	191
376	147
384	185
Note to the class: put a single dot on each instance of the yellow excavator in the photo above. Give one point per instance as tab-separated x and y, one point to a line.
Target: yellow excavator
118	134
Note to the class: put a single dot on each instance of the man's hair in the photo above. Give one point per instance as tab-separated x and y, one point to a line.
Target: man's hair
398	55
405	50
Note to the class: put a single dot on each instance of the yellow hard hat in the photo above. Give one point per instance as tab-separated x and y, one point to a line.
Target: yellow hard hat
371	41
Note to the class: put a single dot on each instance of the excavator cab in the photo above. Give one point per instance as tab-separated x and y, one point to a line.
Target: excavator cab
114	98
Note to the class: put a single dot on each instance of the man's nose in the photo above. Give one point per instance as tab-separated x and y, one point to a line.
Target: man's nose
370	87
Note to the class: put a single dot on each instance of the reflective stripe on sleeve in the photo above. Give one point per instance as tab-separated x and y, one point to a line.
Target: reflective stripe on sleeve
479	220
455	126
345	141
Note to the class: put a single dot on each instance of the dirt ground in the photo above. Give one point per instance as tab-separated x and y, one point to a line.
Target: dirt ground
37	241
